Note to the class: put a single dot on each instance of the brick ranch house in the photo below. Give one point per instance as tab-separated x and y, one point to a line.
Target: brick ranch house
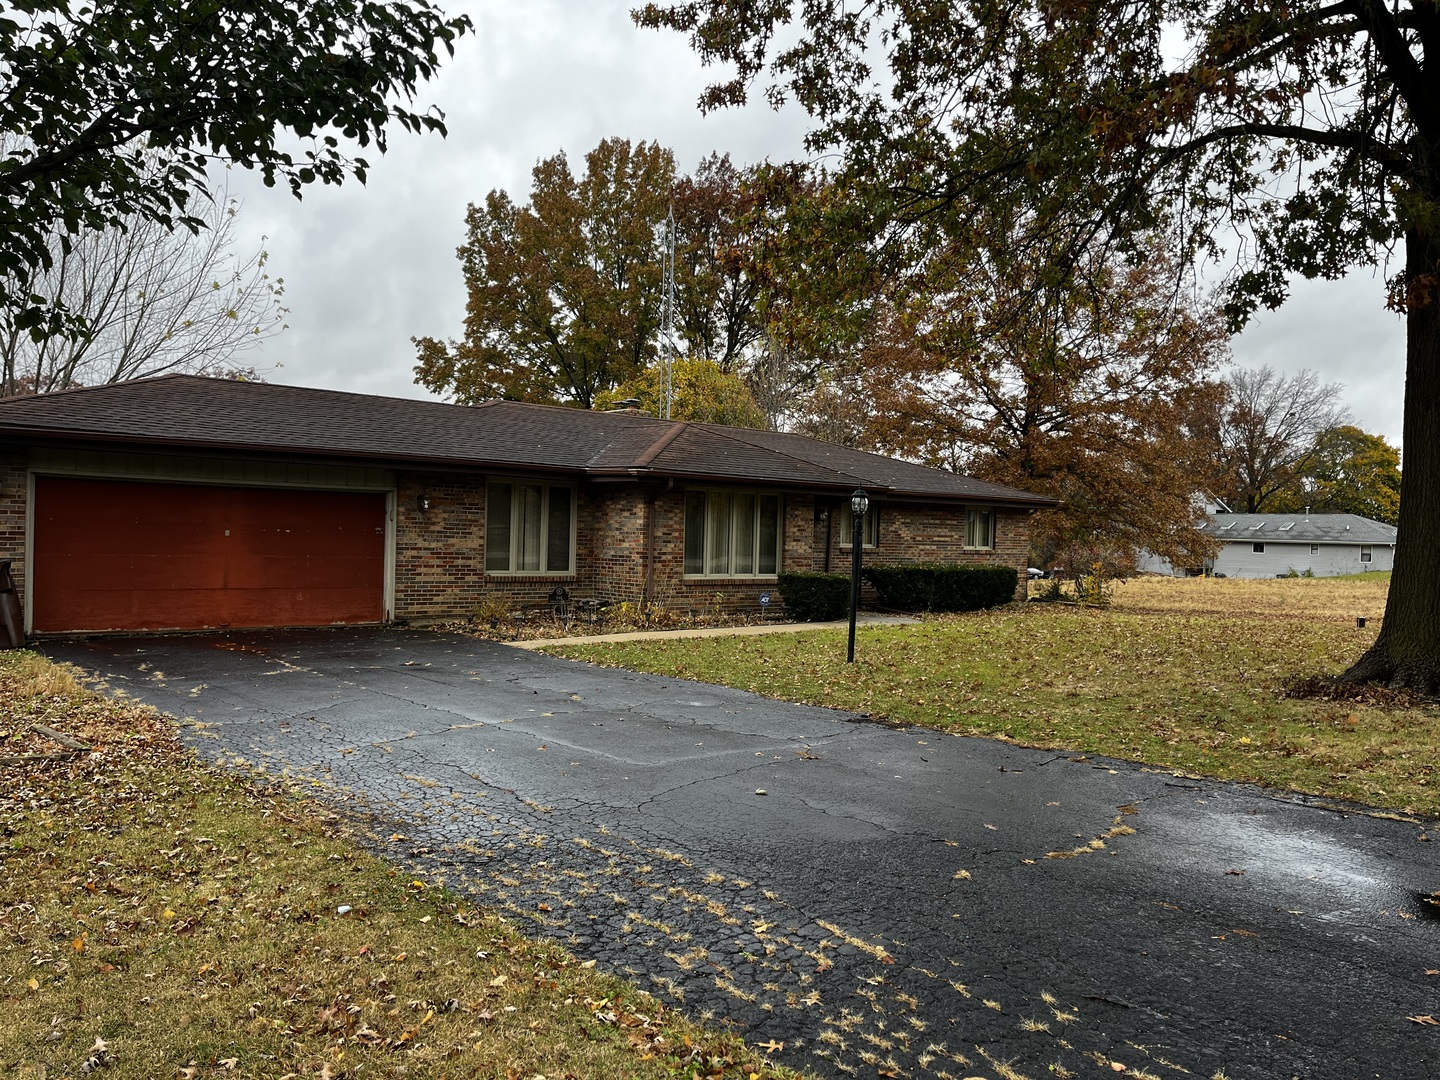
183	502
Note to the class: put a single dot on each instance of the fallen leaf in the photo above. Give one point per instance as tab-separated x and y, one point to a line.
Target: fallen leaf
771	1047
1427	1020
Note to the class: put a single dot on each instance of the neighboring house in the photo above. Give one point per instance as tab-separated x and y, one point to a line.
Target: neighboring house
1275	545
184	503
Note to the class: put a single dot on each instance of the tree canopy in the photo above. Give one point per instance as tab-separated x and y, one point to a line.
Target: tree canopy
1285	138
701	391
1349	472
1080	391
564	292
1264	433
153	301
110	110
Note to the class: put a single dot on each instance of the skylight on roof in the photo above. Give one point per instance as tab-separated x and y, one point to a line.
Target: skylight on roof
1226	526
1257	526
1287	526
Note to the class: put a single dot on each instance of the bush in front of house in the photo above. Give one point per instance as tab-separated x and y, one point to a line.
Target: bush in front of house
943	586
813	597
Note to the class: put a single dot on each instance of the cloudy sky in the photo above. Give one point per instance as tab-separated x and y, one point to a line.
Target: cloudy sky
366	268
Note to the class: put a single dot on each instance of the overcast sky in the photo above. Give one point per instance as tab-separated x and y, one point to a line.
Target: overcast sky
366	268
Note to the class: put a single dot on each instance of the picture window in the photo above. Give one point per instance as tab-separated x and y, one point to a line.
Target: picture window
529	528
731	534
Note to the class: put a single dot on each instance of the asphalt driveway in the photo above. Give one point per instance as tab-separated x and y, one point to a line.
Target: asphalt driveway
882	902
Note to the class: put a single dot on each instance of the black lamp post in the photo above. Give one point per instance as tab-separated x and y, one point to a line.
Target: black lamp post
859	503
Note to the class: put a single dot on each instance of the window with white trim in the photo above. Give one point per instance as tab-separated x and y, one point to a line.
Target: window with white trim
529	528
731	533
1314	549
1366	553
869	527
979	528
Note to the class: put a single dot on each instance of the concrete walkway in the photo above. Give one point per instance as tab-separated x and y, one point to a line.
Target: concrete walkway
866	619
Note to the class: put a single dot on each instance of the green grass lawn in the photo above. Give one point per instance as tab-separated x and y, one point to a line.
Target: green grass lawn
161	919
1194	693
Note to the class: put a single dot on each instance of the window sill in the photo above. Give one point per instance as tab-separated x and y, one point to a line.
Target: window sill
727	579
531	575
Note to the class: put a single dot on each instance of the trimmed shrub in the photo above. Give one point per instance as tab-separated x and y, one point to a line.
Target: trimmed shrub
815	597
943	586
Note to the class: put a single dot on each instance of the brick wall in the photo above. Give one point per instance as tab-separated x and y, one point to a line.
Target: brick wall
916	534
616	557
13	493
907	534
439	553
672	590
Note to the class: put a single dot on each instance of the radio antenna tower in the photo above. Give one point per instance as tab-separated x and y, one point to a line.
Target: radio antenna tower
667	315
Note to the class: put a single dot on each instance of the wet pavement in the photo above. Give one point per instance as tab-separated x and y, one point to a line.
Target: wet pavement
882	902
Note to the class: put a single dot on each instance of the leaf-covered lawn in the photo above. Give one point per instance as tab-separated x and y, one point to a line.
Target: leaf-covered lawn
1196	693
160	919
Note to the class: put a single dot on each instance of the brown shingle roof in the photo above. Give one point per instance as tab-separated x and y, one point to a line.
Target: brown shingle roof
191	411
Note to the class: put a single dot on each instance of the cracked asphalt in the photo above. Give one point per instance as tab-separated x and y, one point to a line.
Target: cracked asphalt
884	902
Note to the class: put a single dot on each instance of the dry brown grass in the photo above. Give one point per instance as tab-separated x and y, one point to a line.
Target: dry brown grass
1337	598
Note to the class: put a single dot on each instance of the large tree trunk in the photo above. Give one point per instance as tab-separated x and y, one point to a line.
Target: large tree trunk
1406	652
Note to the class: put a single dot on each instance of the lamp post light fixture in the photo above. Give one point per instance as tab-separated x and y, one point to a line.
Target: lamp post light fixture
859	503
423	503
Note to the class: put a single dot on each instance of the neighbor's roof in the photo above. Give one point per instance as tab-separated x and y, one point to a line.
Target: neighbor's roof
190	411
1300	528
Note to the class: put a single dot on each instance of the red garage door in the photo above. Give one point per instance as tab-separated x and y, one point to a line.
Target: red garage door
116	555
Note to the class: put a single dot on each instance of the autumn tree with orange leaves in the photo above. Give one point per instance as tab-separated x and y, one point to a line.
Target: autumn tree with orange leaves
1080	389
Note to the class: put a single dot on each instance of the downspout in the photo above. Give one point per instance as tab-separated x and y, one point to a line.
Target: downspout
647	595
829	534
